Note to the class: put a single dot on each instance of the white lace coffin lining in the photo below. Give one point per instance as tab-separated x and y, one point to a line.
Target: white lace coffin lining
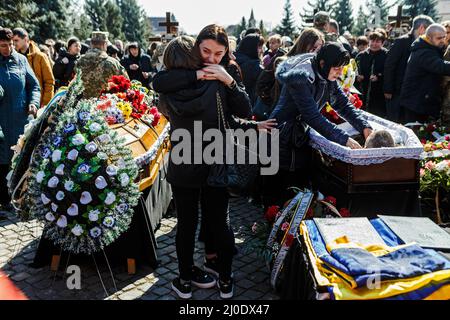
410	148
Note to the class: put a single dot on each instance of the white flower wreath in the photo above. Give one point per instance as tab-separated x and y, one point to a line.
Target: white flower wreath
82	182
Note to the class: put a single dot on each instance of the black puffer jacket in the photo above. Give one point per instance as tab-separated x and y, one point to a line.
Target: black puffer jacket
144	63
421	91
64	72
247	58
185	100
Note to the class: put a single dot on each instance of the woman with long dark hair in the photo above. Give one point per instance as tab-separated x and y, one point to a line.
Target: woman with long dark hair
189	95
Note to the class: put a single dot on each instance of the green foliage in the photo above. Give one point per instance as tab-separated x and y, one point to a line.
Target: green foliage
287	26
241	27
342	13
361	23
384	8
315	5
18	13
414	8
53	20
105	15
136	25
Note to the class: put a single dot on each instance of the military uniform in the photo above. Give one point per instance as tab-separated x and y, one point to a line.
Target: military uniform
321	18
97	68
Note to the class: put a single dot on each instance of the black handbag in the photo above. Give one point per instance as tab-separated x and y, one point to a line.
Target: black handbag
300	133
238	176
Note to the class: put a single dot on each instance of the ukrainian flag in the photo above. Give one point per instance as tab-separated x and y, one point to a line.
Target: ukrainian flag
423	276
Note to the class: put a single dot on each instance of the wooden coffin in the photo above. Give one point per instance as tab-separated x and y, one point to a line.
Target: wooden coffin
393	175
140	137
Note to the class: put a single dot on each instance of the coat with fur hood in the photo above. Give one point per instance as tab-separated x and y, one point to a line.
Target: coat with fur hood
304	93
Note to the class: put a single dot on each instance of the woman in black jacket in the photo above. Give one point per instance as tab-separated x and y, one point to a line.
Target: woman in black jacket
63	70
248	56
191	105
137	64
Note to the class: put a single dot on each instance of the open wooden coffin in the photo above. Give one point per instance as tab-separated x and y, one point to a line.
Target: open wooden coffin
148	144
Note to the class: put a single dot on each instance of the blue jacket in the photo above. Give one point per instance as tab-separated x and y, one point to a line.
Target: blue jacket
304	93
20	89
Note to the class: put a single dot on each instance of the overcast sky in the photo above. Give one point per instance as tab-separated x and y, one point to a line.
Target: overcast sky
193	15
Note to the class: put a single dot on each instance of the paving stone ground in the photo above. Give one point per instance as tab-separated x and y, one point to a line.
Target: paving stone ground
19	241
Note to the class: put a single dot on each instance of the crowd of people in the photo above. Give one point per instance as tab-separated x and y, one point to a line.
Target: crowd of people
258	83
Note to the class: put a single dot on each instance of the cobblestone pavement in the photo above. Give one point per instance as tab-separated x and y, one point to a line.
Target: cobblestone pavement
19	240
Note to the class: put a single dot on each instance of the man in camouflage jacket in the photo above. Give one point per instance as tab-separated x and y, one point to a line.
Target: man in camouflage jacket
97	67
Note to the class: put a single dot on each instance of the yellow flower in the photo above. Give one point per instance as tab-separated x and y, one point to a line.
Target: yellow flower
127	110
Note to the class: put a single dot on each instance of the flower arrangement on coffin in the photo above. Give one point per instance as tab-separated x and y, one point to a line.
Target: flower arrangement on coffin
82	182
125	99
331	114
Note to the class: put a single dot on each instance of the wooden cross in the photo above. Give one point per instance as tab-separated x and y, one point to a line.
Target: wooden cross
169	24
399	18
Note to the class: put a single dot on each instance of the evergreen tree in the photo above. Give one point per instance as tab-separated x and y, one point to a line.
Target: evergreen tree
414	8
287	26
361	22
136	25
383	7
53	19
342	13
105	15
82	27
313	6
264	32
241	27
252	20
18	13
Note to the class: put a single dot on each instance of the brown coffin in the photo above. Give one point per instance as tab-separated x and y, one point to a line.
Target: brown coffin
140	137
392	175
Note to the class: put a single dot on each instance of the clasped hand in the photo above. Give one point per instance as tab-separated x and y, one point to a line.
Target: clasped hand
215	72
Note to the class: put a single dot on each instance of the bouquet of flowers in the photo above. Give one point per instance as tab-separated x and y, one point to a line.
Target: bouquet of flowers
435	166
346	81
126	99
331	114
348	77
82	182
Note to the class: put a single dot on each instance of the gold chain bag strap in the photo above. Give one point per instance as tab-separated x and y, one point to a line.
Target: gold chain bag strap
238	176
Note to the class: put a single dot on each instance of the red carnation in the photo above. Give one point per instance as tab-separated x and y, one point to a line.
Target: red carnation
358	102
331	200
289	240
423	141
271	213
156	119
154	110
344	212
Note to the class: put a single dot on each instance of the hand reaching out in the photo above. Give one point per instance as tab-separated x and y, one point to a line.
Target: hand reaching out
267	125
